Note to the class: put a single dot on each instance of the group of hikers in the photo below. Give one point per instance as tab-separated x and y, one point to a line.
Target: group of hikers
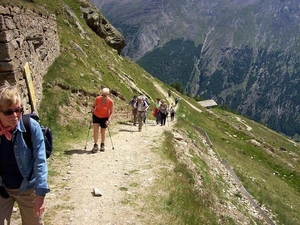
102	110
140	107
23	169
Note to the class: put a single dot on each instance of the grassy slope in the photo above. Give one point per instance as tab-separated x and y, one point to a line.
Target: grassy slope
70	86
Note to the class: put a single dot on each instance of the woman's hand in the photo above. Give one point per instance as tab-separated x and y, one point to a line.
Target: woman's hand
39	206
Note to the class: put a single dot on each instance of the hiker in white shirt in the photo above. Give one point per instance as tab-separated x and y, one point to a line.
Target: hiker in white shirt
142	107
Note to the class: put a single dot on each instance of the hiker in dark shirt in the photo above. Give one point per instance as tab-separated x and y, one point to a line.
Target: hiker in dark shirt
172	113
23	171
176	101
163	110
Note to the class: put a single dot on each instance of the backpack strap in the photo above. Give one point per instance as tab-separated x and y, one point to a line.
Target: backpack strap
27	134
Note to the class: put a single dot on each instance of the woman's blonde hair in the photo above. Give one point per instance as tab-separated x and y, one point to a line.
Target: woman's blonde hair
105	91
9	95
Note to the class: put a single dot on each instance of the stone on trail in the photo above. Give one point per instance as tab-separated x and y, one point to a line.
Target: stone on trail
97	192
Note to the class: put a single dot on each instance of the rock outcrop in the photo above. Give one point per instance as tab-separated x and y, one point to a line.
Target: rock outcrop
101	26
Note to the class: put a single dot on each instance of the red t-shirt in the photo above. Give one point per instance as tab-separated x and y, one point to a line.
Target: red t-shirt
103	110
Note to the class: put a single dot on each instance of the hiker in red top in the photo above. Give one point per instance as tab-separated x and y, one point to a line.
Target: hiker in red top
102	110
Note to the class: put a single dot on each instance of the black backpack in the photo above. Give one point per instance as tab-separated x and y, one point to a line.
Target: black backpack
46	131
132	102
146	100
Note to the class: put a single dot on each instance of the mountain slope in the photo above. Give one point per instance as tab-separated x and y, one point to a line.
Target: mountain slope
128	178
195	189
243	54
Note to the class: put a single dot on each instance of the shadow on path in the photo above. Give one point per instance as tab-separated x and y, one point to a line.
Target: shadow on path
77	151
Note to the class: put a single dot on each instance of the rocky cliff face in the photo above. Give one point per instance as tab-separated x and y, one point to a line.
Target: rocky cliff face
244	54
26	36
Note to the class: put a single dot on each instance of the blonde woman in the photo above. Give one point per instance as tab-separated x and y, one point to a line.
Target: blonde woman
102	110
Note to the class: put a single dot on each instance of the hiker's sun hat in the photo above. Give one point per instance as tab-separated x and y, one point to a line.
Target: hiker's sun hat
105	91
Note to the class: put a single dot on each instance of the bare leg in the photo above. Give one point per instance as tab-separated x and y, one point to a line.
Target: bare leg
96	132
103	135
102	148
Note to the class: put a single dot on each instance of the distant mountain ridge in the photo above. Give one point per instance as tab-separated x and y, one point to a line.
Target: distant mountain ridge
243	54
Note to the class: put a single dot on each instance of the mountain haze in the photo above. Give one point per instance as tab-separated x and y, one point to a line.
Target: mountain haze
243	54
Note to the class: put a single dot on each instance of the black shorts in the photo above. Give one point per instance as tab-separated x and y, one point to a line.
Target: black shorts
101	121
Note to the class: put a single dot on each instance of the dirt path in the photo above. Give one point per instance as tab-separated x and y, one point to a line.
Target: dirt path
122	176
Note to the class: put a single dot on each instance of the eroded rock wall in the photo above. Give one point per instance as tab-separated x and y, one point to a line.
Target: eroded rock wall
26	36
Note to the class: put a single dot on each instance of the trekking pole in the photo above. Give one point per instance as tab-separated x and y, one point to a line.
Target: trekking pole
88	134
131	119
127	111
168	119
110	139
144	120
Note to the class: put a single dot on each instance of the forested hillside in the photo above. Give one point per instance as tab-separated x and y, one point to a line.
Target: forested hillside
243	54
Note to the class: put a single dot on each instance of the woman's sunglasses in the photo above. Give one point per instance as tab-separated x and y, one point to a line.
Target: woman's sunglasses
9	112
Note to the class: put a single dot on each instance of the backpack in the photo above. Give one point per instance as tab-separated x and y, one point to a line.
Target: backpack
146	100
46	132
132	102
144	103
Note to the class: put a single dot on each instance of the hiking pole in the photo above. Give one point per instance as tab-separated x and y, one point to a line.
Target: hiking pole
110	139
127	111
144	119
131	118
88	134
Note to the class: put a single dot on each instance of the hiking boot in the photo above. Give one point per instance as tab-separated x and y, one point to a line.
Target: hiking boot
95	148
102	149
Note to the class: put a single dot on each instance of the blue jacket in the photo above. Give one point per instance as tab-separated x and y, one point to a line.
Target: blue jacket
29	160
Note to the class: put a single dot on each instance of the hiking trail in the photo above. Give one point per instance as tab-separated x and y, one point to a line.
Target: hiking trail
123	175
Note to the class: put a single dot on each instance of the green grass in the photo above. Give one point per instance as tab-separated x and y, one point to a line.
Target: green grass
270	172
178	205
263	169
180	199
